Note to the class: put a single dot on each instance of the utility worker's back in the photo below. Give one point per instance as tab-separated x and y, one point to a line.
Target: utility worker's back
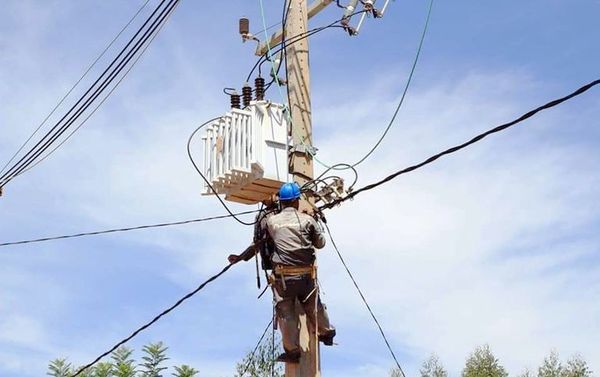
295	236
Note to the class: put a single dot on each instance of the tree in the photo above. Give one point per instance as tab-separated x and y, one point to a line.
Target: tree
185	371
576	367
123	364
395	372
103	369
551	367
59	368
526	373
155	356
482	363
432	367
261	363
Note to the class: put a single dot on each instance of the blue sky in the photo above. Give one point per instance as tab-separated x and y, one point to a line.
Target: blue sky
497	244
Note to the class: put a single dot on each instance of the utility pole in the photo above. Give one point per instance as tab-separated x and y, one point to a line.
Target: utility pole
300	160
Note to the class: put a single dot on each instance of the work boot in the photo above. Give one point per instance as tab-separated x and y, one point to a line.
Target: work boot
327	338
289	357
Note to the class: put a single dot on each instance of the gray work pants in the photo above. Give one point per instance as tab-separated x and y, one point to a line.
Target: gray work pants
301	288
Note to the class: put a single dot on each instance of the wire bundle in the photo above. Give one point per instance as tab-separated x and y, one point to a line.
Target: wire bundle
95	95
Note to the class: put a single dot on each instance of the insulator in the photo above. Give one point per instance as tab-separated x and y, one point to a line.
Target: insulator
244	26
235	100
246	94
259	88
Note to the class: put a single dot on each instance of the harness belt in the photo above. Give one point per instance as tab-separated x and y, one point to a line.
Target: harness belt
284	271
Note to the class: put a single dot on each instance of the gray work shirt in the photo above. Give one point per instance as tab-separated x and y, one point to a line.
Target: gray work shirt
296	235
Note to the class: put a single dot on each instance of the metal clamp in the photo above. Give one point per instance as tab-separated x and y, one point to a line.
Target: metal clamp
303	148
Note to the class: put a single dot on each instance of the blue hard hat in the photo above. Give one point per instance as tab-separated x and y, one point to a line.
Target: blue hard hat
289	191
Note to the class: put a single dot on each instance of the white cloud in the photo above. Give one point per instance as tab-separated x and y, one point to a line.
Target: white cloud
495	244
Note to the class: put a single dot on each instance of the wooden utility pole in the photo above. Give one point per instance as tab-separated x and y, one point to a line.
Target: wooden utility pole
300	160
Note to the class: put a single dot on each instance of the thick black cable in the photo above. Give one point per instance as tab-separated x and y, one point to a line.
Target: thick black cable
251	356
295	39
111	77
284	17
364	300
154	320
264	57
64	97
189	152
91	113
474	140
92	86
51	136
118	230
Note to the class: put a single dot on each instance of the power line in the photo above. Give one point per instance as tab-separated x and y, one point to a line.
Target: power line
408	82
36	163
107	77
51	135
60	102
251	356
294	39
154	320
474	140
117	230
364	300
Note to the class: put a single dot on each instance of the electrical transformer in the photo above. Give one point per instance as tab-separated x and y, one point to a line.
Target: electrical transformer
246	152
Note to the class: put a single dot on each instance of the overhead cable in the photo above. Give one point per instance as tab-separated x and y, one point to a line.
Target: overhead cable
118	230
406	87
251	355
294	39
364	300
41	159
96	89
60	102
474	140
153	321
351	195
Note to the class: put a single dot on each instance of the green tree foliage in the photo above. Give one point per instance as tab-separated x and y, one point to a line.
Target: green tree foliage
103	369
185	371
155	356
577	367
432	367
526	373
123	364
59	368
551	367
483	363
262	362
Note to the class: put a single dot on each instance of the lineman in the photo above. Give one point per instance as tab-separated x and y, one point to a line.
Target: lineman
288	242
295	236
